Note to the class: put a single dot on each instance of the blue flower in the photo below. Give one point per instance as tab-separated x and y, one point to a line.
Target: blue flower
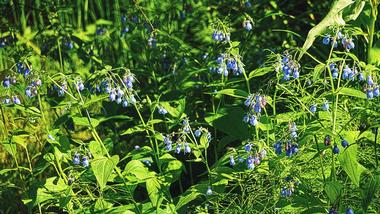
85	162
16	100
6	100
370	81
250	163
326	40
325	106
247	25
361	76
248	147
335	73
209	191
344	143
162	110
293	134
369	94
349	211
313	108
112	96
76	159
187	148
197	133
253	120
257	108
6	82
376	92
125	103
296	74
178	149
335	149
28	92
232	160
278	147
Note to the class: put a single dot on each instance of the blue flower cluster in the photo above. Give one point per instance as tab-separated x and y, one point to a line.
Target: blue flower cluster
347	42
371	88
289	67
181	137
22	69
32	89
85	160
291	147
227	64
255	103
220	36
254	156
288	189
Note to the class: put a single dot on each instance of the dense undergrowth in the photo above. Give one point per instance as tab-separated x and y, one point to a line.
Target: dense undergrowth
189	106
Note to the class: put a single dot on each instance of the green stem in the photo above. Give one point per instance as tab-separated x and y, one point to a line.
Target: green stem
371	31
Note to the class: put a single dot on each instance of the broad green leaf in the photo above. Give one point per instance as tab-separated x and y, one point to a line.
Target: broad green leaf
187	198
154	191
102	168
333	190
138	170
83	121
135	129
352	92
350	164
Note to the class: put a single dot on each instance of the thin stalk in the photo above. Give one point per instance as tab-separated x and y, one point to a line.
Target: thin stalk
320	158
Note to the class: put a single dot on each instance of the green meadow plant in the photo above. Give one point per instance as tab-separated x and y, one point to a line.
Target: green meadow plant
189	107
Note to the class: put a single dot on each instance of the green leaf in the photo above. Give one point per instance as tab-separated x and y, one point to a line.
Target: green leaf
138	170
350	164
204	140
154	191
352	92
187	198
333	190
102	204
83	121
102	168
233	93
135	129
260	72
